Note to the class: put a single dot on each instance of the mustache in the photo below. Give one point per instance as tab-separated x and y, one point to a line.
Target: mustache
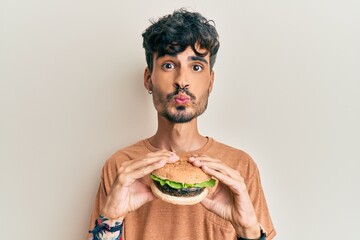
178	90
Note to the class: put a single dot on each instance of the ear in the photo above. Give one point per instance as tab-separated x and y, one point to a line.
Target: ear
147	79
212	77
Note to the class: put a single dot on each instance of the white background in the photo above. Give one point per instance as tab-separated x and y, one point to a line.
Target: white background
286	91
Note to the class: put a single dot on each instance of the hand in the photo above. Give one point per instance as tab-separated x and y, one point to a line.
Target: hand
230	200
129	191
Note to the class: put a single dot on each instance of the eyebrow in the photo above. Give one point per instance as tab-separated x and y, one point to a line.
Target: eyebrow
198	58
192	58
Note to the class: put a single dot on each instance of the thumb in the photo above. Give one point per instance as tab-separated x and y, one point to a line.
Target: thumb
207	203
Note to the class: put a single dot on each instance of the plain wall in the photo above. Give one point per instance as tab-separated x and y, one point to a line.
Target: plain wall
287	87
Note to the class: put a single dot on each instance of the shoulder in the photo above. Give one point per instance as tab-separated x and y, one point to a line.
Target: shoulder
127	153
234	157
229	151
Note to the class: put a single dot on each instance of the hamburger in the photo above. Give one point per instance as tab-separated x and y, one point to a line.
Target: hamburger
181	183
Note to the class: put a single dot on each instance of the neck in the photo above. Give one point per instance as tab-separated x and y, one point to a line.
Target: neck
177	137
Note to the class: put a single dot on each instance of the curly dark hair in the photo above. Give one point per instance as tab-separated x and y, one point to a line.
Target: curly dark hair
173	33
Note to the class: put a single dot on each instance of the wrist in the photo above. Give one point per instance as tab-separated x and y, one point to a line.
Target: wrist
252	235
111	216
252	232
111	209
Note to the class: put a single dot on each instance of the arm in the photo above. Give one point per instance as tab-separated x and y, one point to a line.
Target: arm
107	229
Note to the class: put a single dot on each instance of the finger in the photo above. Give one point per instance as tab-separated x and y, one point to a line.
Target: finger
215	206
149	159
148	155
234	183
145	170
131	170
207	203
127	178
224	169
216	165
204	158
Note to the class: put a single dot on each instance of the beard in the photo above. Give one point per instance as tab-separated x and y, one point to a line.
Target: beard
167	108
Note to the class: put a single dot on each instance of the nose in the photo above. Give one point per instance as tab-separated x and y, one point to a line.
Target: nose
181	88
181	80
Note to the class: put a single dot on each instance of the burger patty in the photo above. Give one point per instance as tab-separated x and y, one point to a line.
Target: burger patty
182	192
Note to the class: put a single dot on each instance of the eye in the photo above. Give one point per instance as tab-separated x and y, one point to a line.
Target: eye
197	68
168	66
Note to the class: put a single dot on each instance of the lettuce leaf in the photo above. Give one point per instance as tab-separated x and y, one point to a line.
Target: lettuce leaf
178	185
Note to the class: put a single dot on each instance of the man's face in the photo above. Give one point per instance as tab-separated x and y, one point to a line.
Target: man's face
180	84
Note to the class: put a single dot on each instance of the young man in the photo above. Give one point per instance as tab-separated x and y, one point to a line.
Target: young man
180	51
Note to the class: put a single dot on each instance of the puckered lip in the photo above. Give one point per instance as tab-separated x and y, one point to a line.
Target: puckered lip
182	98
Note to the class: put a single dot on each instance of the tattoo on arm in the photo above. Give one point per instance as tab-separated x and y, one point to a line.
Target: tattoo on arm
105	229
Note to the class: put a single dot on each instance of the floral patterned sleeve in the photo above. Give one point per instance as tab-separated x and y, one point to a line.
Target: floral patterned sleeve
106	229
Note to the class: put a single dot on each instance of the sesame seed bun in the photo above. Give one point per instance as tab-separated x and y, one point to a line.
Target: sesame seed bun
182	172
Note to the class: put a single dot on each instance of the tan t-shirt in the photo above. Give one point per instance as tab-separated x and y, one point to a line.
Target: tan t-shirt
161	220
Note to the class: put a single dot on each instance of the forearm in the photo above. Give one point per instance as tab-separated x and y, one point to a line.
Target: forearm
107	229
